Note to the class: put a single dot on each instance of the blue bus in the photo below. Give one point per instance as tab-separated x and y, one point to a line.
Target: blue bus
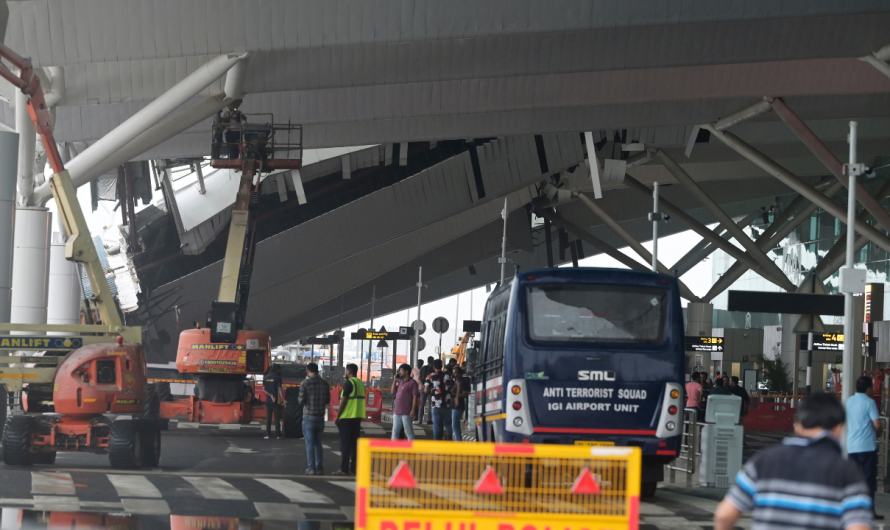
584	356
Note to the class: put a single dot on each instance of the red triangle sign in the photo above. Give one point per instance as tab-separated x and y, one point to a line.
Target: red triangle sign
585	484
489	483
402	477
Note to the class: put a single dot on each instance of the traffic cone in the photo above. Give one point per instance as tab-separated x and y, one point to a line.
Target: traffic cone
402	477
489	483
585	484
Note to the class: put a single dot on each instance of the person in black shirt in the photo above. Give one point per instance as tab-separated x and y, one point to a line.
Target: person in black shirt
426	370
738	390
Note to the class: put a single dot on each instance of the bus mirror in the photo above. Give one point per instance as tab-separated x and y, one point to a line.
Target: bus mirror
472	354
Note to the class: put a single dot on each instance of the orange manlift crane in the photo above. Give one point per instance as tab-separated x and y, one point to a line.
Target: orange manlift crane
105	373
223	353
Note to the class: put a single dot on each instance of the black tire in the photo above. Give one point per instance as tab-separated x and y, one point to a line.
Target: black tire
151	443
164	393
125	445
4	402
44	458
293	413
647	489
152	407
17	441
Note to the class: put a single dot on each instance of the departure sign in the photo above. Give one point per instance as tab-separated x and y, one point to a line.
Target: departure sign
381	335
712	344
824	342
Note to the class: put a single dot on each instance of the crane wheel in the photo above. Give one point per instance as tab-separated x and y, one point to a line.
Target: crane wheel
151	443
17	441
164	393
152	403
4	403
125	445
293	413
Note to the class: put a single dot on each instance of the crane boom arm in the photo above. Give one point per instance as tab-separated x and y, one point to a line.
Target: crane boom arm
80	247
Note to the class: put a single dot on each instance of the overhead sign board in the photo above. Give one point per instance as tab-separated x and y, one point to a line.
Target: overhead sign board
18	342
824	342
787	303
381	335
321	341
712	344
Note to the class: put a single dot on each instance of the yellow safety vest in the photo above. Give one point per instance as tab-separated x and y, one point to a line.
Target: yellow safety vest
355	407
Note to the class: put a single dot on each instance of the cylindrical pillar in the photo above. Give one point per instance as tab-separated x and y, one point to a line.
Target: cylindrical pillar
27	145
30	267
9	155
64	286
699	323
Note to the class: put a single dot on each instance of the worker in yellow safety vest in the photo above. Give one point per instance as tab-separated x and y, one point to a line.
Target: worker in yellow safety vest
349	419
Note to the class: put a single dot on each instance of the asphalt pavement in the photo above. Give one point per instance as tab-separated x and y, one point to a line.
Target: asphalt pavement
233	478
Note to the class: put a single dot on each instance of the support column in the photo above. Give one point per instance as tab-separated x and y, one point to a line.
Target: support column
64	286
30	269
9	146
699	323
27	146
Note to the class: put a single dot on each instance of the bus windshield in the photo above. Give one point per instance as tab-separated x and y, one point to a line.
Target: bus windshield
596	313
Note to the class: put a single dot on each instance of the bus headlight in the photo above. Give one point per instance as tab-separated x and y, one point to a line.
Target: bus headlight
675	394
517	422
516	390
670	425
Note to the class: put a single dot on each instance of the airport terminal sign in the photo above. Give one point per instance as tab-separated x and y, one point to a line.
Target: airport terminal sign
711	344
824	342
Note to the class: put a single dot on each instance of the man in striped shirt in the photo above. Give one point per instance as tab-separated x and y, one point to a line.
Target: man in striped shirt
803	483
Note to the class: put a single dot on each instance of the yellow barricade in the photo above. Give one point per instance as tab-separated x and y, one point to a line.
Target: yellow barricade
425	485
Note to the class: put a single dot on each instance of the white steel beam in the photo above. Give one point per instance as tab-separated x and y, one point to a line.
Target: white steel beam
82	167
797	184
631	241
727	222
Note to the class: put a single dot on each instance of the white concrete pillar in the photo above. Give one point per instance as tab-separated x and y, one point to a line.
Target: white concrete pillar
30	267
64	286
27	145
9	146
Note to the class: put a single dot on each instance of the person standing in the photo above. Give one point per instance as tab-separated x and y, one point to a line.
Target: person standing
425	398
693	395
437	386
349	419
805	483
416	375
738	390
315	395
407	392
721	387
272	390
461	391
863	426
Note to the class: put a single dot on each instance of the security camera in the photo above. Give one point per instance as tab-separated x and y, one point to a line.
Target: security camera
667	218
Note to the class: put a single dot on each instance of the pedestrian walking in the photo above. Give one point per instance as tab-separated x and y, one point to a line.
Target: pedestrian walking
349	419
863	426
805	483
460	391
407	394
274	399
416	375
437	387
315	395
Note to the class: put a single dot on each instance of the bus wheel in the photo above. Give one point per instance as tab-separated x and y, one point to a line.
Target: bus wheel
647	489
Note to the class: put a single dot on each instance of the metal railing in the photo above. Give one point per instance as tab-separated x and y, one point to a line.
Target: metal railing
690	446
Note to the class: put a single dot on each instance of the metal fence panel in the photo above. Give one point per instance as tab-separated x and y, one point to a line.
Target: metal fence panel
426	485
